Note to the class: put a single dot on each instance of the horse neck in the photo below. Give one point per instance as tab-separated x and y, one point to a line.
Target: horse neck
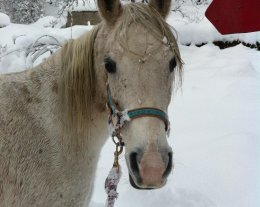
46	78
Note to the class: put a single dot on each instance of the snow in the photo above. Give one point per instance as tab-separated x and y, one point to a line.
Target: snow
214	118
4	20
85	5
17	38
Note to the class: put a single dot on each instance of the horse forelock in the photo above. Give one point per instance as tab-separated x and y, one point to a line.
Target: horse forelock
149	18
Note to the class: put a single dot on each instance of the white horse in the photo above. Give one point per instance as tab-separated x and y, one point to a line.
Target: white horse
53	117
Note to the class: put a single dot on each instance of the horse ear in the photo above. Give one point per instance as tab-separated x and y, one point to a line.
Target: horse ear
162	6
110	10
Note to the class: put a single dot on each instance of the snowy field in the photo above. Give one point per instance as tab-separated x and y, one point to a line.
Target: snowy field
214	118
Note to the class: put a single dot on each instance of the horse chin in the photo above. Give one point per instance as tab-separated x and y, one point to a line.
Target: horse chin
139	186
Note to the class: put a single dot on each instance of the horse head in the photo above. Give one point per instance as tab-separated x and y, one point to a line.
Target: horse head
140	58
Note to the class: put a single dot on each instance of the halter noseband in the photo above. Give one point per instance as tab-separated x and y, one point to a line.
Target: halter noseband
123	116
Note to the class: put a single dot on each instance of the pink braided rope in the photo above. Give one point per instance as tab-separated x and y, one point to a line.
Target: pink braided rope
111	183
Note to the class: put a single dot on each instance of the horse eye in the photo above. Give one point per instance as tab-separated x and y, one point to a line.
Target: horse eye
172	64
110	65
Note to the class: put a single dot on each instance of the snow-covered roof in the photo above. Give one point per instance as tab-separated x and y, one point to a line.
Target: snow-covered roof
4	20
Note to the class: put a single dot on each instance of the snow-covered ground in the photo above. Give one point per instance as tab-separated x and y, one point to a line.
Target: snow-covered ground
215	119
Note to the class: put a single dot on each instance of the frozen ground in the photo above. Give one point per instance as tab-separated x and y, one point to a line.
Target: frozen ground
215	119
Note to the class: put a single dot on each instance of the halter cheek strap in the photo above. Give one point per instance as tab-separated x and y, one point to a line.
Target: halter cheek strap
136	113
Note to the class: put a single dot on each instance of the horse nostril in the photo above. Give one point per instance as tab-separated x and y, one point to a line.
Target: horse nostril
135	177
169	165
134	163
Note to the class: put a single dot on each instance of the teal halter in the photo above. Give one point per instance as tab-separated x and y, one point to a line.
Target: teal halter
138	112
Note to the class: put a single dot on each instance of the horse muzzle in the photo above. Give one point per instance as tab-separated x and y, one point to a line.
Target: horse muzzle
149	169
150	166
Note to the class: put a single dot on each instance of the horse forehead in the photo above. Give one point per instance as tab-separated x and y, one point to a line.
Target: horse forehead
141	41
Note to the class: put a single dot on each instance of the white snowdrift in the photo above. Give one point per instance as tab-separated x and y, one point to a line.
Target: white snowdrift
4	20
